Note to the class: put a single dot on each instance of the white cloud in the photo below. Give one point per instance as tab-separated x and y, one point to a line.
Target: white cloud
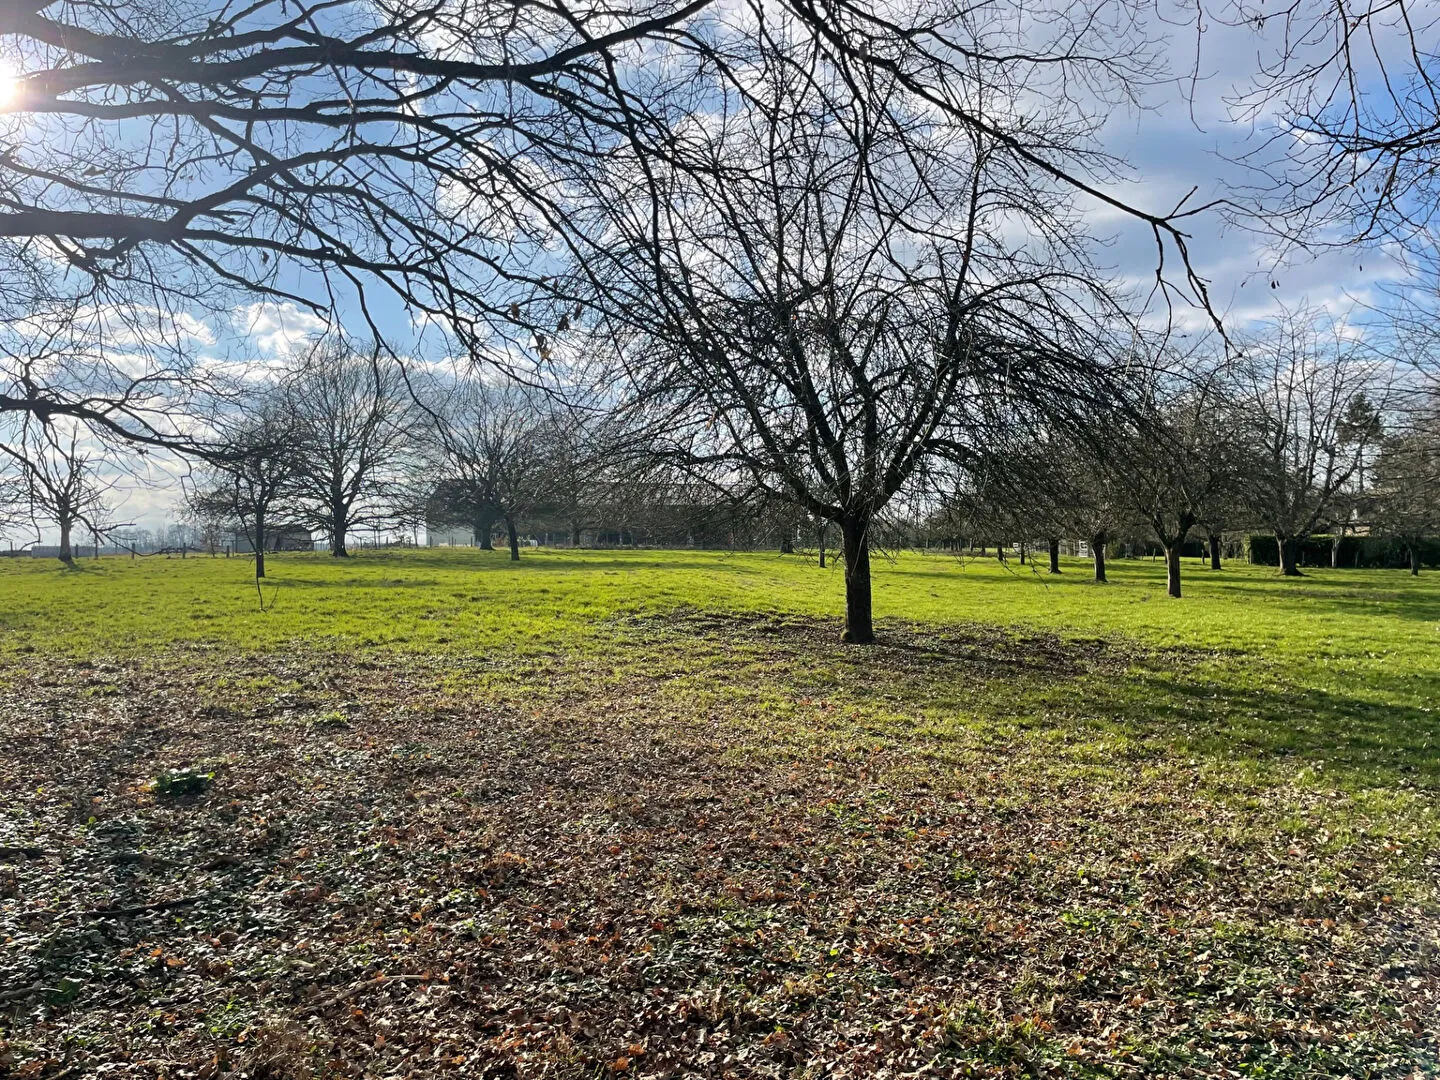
275	329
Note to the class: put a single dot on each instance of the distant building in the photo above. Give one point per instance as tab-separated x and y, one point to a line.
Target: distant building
52	551
612	515
287	537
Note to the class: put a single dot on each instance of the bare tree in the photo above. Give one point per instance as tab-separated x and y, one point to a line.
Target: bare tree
126	372
1097	507
164	160
1300	385
251	478
827	301
416	145
57	470
585	456
490	438
351	425
1180	466
1407	481
208	522
1363	427
1351	97
1020	494
1075	487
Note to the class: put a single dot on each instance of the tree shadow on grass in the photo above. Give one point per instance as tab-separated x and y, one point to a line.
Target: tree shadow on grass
1172	700
355	583
1373	739
1401	598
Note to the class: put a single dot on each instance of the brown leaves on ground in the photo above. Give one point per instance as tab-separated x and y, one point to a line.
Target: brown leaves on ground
395	874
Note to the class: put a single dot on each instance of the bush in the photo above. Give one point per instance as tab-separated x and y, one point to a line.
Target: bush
181	782
1366	552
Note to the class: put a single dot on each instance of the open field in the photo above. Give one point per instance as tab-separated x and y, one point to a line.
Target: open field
639	813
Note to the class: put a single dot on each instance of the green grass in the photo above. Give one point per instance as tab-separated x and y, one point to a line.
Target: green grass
1339	669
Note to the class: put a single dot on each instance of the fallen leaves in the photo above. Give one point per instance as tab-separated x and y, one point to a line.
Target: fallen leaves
592	882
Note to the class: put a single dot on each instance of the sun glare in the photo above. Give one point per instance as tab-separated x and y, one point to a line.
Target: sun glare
9	85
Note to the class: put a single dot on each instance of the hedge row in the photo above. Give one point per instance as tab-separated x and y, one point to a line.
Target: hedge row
1355	551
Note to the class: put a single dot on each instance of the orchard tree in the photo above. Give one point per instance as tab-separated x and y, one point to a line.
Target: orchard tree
1303	388
490	442
349	413
585	454
56	472
1407	481
1085	495
1180	464
249	478
828	297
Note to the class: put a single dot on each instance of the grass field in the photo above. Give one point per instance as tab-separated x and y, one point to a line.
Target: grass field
640	813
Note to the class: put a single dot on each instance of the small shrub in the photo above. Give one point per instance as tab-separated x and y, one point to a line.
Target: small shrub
334	720
176	783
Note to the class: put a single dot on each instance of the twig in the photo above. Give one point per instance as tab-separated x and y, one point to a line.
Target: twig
159	905
24	992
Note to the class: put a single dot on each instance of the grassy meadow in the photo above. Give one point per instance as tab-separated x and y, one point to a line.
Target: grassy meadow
640	813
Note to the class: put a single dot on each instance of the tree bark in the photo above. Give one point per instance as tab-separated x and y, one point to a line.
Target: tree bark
1414	560
1172	569
1054	556
1335	551
1097	548
514	538
575	531
1213	539
259	545
859	620
787	546
67	554
1288	555
337	536
483	526
822	545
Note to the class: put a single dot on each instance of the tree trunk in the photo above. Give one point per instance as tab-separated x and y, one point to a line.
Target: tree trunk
1288	555
514	538
259	545
787	546
1214	541
859	622
337	536
484	526
1097	548
822	545
1414	560
1054	556
575	531
1022	553
1172	569
1335	551
67	555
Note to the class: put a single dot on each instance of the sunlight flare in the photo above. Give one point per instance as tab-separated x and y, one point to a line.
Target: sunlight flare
9	85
